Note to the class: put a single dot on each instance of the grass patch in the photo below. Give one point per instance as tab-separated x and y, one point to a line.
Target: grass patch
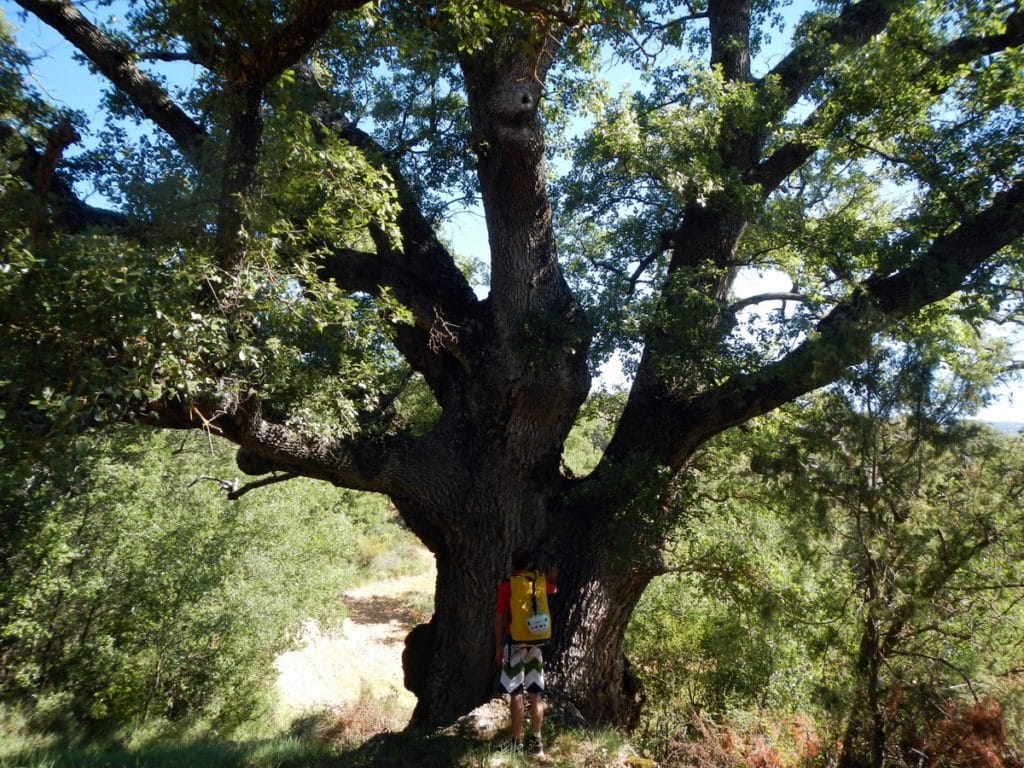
325	741
283	752
353	723
389	550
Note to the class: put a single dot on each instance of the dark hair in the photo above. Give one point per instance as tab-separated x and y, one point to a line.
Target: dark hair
521	559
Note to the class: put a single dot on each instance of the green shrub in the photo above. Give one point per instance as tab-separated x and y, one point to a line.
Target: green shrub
131	591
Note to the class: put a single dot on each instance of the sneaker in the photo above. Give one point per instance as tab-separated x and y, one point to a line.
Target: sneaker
513	747
535	744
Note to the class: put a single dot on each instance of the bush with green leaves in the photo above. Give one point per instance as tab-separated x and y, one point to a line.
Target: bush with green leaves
132	589
723	629
857	559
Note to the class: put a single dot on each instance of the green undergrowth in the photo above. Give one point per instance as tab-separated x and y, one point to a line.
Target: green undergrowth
570	749
276	752
354	736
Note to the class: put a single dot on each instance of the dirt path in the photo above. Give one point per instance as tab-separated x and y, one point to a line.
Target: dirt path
362	661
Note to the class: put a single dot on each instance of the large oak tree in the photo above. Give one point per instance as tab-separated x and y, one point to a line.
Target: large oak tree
269	265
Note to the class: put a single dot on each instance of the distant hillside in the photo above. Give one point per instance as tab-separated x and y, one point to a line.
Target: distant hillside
1008	427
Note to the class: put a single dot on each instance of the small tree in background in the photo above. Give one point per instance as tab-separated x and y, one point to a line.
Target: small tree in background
924	519
859	557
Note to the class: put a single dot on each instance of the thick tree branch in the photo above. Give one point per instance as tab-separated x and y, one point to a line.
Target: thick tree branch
241	161
777	167
853	27
168	56
286	450
115	63
671	429
68	211
786	159
729	24
969	48
248	69
439	355
58	139
370	272
291	41
708	234
844	336
711	233
247	74
504	87
366	465
357	270
420	271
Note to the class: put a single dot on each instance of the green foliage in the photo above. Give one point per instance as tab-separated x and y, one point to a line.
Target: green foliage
789	550
324	192
108	324
900	121
19	105
925	522
810	532
592	431
132	590
910	140
728	628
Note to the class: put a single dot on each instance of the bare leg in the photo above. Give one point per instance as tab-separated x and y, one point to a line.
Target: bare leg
516	708
537	721
536	712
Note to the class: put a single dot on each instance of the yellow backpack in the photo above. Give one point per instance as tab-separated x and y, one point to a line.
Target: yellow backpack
531	620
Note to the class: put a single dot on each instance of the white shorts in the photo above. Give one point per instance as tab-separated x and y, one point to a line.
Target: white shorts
523	669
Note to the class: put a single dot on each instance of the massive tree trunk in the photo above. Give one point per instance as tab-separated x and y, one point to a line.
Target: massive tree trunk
589	672
498	504
449	662
512	419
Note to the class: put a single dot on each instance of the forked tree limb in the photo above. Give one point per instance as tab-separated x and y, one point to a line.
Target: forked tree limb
69	212
842	338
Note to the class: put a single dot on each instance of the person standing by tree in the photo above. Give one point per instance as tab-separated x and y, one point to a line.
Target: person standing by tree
521	625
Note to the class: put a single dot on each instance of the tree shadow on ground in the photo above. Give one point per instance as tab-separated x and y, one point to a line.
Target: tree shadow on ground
386	750
381	609
411	749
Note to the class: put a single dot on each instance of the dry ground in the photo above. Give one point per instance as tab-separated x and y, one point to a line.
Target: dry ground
349	681
362	660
